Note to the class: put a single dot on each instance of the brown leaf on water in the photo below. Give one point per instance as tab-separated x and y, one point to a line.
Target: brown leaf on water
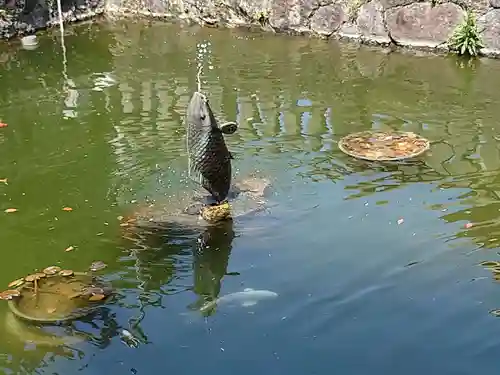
4	180
97	297
9	210
67	209
468	225
69	248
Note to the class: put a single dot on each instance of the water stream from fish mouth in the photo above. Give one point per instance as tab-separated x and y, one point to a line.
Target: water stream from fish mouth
375	266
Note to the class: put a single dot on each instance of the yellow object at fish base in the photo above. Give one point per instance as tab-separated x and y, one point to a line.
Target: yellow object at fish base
213	214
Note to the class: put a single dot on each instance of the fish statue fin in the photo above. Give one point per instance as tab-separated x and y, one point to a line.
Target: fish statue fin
229	127
249	303
248	289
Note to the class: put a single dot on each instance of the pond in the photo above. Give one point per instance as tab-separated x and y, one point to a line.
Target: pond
375	266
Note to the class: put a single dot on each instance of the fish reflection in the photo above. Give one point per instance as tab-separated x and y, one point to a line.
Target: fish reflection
210	262
165	252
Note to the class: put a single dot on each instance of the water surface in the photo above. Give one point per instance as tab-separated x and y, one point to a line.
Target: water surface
358	292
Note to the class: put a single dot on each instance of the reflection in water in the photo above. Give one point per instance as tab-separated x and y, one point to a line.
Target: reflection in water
62	340
166	253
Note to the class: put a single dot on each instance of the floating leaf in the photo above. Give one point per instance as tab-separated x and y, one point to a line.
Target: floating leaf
52	270
97	297
70	248
9	210
67	209
468	225
16	283
490	264
3	124
9	294
4	180
33	277
66	273
401	221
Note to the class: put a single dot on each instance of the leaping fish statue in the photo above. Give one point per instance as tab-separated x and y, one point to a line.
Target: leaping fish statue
209	158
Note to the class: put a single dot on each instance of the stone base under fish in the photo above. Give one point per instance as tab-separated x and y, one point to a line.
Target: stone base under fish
246	198
216	213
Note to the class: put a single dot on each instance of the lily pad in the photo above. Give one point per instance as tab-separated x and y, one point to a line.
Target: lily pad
66	273
16	283
33	277
383	146
52	270
54	299
9	294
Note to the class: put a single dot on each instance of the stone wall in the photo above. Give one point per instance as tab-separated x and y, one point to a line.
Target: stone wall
21	17
398	22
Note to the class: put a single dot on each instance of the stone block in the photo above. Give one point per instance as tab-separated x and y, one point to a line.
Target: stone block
294	15
370	22
328	19
479	7
490	26
422	24
395	3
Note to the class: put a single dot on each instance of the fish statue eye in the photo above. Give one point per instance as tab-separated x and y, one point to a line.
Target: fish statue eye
203	117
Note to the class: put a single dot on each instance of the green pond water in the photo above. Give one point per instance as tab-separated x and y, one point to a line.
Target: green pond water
358	293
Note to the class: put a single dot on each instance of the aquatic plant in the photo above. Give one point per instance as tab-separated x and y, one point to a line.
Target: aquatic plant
353	7
261	17
466	39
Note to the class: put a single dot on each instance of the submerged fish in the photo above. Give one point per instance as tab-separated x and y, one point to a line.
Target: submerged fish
209	158
248	297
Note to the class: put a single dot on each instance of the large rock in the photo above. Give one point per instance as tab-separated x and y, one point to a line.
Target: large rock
490	26
422	24
291	15
328	19
479	7
256	10
495	3
370	22
396	3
